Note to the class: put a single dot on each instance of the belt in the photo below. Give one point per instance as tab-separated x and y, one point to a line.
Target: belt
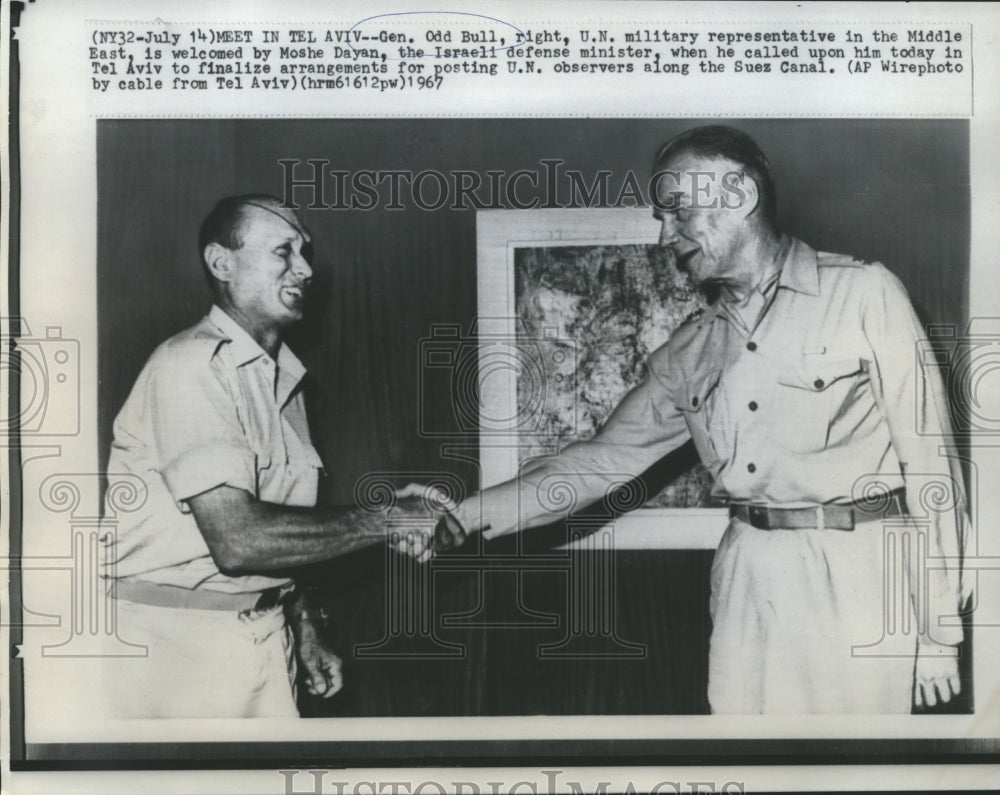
157	595
818	517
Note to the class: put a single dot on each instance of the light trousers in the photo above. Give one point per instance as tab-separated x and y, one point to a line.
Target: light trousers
810	621
202	664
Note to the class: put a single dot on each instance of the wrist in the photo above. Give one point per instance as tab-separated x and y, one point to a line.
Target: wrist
930	647
374	527
469	514
310	623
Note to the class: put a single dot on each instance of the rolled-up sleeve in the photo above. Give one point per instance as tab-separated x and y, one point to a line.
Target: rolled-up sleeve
197	431
911	393
643	428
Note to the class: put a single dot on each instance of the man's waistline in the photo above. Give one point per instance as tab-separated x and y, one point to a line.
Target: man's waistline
819	517
158	595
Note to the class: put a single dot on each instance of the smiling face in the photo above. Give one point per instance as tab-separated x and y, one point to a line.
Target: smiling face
703	208
262	282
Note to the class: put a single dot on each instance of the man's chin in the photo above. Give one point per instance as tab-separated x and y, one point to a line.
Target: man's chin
705	284
295	308
289	317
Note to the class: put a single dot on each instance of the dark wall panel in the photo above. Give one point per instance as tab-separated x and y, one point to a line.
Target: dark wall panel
156	182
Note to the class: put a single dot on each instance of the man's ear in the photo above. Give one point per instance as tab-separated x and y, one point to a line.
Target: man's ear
740	193
219	261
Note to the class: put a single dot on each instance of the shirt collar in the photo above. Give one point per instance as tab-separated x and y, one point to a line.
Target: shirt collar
800	271
245	348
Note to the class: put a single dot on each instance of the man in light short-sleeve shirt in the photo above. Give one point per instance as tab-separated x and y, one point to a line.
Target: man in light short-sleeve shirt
215	427
803	392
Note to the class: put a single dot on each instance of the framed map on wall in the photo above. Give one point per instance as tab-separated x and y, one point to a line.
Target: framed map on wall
571	303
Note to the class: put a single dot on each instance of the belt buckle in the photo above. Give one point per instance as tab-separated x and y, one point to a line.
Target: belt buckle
757	514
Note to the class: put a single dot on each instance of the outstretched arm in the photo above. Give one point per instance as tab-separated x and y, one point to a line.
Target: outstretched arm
247	535
643	428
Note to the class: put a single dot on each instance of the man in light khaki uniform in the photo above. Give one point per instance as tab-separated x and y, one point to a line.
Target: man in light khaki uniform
803	393
216	428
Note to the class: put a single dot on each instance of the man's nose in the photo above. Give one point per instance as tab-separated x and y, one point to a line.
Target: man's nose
301	266
668	231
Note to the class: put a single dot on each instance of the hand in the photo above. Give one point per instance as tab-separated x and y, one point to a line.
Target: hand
936	678
319	666
422	522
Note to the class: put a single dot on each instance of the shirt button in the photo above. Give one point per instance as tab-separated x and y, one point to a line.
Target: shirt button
818	383
751	467
751	346
694	401
752	405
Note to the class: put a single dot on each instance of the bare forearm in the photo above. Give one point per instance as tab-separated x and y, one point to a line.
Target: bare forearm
281	537
556	487
245	535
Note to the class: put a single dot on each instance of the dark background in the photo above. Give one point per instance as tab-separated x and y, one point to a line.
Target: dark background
893	191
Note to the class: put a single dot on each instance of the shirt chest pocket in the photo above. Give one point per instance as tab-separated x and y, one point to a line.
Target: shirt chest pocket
312	459
288	466
293	480
694	401
304	476
808	397
295	456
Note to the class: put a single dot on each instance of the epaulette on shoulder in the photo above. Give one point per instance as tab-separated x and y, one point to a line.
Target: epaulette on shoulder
196	344
826	260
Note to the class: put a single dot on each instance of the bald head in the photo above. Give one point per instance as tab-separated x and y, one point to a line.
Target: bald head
735	147
227	222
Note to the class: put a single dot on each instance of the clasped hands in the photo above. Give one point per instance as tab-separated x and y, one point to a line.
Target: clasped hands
422	522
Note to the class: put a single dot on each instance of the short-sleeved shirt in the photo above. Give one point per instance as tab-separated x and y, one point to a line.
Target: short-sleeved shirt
210	408
823	395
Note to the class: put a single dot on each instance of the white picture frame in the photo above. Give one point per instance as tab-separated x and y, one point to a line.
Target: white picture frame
499	233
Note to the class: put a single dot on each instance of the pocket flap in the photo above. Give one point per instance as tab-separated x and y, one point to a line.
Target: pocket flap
261	454
696	390
817	373
312	457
